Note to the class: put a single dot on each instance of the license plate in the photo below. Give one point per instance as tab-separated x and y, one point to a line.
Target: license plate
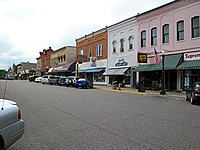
79	84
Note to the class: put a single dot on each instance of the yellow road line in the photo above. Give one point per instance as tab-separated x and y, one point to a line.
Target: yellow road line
123	91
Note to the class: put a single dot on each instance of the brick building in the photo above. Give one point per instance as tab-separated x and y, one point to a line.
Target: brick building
92	51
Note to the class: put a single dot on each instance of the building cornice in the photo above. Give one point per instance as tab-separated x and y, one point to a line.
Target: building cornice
92	34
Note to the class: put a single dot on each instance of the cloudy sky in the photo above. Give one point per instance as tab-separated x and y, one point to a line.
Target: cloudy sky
29	26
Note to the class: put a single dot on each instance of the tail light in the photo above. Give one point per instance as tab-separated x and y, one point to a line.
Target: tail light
19	114
84	81
74	81
48	79
197	91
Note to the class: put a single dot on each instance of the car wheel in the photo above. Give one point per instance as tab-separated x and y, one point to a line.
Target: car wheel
192	99
77	87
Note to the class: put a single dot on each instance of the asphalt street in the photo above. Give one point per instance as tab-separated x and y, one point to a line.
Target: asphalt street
59	117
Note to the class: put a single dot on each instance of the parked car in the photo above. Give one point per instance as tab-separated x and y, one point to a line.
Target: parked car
54	79
83	83
61	81
32	78
193	93
10	77
71	80
38	80
11	124
45	79
2	77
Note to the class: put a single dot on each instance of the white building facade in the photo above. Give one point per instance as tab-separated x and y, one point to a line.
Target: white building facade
122	52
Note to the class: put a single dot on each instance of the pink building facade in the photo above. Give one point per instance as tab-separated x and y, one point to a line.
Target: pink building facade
174	28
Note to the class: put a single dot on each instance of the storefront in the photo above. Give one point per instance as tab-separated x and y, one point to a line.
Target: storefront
150	75
189	70
122	72
93	71
121	75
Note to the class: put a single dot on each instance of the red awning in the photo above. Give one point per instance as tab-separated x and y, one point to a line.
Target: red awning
70	67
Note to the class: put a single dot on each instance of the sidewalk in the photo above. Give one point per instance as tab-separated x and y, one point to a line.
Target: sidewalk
147	92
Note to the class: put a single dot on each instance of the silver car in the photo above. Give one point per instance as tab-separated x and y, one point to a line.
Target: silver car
11	124
45	79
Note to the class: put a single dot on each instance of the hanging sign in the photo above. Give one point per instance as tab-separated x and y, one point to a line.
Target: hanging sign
192	56
93	61
142	58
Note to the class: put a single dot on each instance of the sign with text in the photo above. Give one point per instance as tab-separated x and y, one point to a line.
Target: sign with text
192	56
81	57
142	58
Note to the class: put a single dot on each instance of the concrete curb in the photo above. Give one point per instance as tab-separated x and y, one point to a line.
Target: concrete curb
144	93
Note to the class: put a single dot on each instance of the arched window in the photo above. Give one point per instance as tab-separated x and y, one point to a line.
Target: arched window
166	33
195	27
154	36
114	43
122	45
131	42
143	38
180	30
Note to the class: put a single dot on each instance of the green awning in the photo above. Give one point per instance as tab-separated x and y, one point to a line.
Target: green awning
189	65
170	63
147	67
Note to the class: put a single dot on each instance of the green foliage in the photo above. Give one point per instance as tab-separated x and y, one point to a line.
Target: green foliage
3	73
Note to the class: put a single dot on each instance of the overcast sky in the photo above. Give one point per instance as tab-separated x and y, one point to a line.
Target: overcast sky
29	26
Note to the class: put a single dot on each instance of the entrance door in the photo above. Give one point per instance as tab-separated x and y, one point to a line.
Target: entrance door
173	80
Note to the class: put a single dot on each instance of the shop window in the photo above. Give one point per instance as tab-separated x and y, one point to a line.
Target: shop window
98	77
195	27
180	30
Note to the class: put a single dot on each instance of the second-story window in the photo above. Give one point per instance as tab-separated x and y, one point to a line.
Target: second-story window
153	36
99	50
114	43
89	53
180	30
195	27
130	42
143	38
166	33
122	45
81	52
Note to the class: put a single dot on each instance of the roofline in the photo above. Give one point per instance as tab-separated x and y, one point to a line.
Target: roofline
167	4
121	22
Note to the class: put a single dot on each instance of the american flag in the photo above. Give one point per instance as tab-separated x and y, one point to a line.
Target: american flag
157	57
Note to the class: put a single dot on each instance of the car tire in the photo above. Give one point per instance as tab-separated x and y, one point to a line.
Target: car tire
192	99
77	87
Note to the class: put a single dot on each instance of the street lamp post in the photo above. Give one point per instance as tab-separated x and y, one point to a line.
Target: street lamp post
162	88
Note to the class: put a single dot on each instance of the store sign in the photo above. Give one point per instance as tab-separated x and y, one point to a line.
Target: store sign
192	56
81	57
93	61
142	58
121	62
